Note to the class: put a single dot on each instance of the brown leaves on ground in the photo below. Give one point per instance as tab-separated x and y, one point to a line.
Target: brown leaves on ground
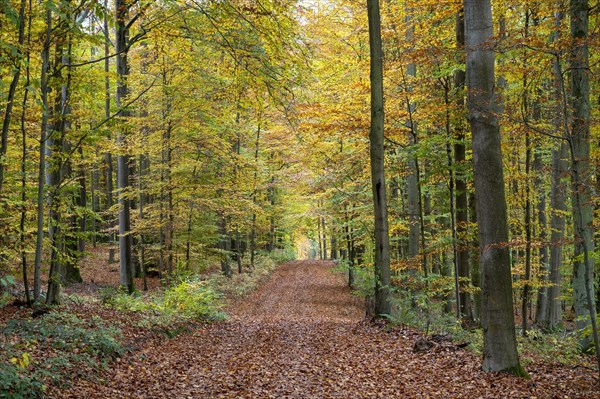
302	336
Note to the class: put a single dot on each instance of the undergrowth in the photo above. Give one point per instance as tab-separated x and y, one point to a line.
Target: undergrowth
52	349
188	298
429	313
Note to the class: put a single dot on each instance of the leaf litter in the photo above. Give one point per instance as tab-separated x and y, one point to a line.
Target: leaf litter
303	335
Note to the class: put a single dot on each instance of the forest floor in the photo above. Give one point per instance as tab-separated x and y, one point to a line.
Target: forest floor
303	335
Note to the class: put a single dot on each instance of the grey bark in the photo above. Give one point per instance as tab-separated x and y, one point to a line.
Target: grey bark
499	338
108	158
37	279
583	263
462	253
125	259
11	93
376	134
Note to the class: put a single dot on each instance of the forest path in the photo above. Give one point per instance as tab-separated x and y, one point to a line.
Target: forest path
301	336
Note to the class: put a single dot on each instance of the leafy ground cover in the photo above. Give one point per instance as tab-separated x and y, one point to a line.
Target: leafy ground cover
303	335
42	351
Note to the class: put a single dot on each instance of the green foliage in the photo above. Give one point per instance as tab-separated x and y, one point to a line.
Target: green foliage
561	347
65	331
193	299
283	255
73	342
364	281
187	299
6	284
17	383
240	284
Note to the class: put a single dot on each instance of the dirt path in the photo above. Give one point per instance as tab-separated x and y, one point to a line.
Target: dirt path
301	336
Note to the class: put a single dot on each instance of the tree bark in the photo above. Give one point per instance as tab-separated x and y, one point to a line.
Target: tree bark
583	262
108	156
499	338
376	135
11	93
125	259
37	278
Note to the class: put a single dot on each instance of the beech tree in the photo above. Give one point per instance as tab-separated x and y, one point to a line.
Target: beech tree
382	244
499	339
579	140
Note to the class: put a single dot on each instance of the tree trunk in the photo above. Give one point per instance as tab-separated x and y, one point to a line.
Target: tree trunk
24	167
54	167
11	93
499	338
254	196
382	239
583	262
125	260
37	278
462	252
542	298
109	162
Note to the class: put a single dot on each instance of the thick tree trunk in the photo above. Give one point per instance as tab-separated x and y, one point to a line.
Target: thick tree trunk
583	262
499	338
382	239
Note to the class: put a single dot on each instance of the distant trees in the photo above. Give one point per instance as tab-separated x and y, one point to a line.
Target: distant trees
235	129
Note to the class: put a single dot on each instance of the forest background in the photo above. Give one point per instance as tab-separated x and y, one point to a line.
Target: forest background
187	133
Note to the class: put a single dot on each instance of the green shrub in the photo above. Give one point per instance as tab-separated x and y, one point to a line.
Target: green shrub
70	341
18	383
193	299
186	299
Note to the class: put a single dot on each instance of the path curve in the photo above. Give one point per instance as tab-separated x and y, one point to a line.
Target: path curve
301	335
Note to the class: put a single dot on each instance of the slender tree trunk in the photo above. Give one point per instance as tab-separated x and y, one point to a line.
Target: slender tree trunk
462	252
557	228
73	243
54	168
451	189
542	300
527	277
254	197
95	201
125	260
382	239
224	246
24	167
349	248
499	338
37	282
109	162
319	237
324	238
11	93
142	238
